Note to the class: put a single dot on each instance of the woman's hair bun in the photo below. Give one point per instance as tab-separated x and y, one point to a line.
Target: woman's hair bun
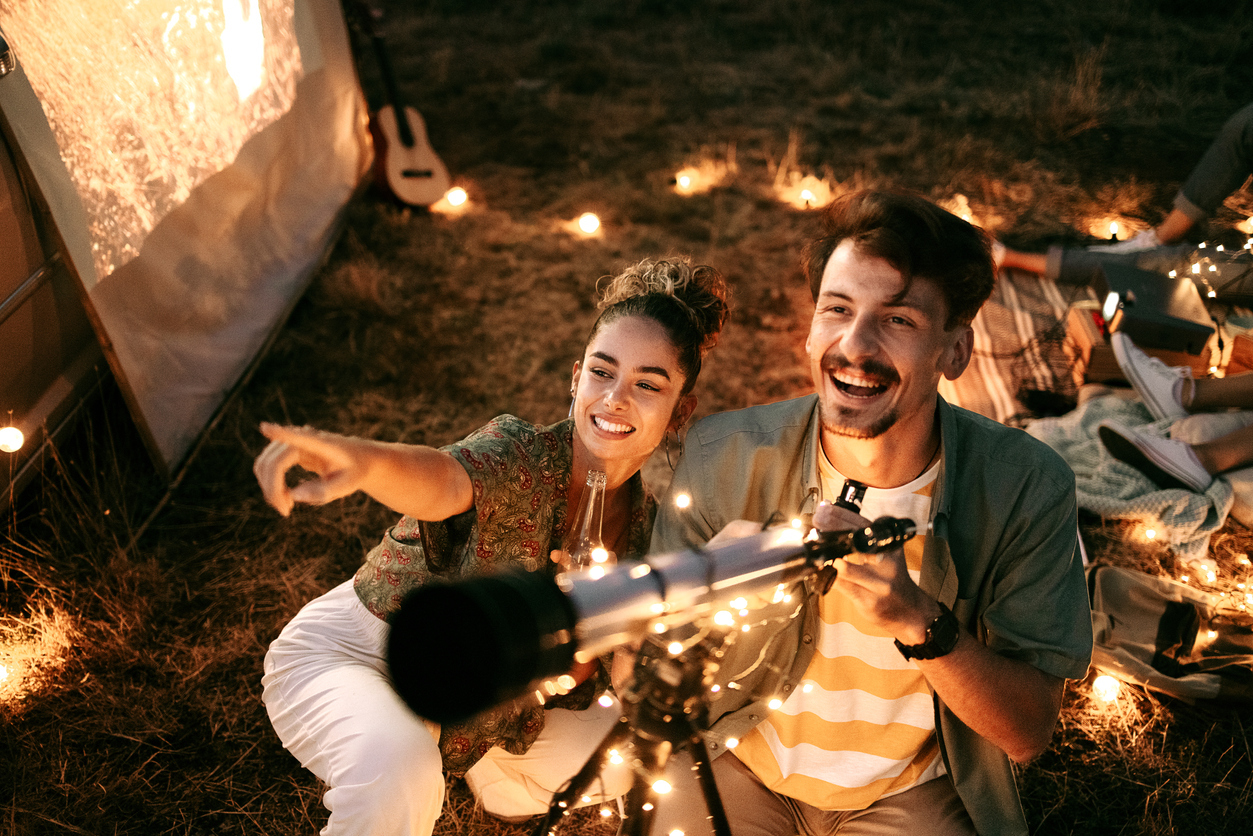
698	289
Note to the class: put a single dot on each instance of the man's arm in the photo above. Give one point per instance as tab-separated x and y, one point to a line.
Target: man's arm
1006	701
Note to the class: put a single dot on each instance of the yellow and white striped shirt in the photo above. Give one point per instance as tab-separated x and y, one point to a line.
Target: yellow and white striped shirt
862	724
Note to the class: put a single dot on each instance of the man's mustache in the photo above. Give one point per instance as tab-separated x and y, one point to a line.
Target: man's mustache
835	362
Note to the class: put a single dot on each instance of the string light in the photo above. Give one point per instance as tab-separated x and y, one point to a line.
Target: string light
661	786
1106	687
1113	229
675	648
605	701
739	603
456	196
724	619
11	439
454	202
775	704
589	223
732	742
1150	533
682	501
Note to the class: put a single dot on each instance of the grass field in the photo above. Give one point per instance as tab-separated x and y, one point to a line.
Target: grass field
139	712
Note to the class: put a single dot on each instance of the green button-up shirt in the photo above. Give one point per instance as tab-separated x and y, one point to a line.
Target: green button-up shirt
1003	556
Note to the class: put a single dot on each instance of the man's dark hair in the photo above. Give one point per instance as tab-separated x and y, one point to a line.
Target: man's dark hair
918	238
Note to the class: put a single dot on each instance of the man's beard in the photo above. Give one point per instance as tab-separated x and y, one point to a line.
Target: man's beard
833	423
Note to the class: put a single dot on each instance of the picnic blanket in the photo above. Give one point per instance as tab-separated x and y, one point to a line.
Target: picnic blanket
1183	519
1021	366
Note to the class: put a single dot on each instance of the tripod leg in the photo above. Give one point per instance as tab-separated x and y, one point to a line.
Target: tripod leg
705	775
639	815
564	800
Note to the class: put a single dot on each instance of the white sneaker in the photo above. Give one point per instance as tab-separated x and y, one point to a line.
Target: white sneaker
1159	386
1169	463
1138	243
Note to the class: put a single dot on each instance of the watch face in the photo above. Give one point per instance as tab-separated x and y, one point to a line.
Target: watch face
943	634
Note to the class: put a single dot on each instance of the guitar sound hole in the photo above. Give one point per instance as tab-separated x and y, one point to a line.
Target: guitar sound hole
417	172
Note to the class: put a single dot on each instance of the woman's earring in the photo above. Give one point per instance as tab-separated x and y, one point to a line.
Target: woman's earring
666	444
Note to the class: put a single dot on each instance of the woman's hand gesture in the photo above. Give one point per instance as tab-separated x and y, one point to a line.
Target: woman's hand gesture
342	465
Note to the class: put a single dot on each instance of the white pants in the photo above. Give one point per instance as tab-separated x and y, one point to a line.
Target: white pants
327	694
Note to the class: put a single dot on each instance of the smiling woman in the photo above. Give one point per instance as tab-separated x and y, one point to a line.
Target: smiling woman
498	497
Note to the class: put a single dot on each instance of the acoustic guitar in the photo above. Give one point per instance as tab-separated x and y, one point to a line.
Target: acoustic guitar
404	162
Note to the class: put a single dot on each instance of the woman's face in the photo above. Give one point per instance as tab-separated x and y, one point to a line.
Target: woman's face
626	390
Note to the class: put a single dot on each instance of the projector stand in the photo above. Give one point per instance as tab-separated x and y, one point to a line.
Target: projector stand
666	711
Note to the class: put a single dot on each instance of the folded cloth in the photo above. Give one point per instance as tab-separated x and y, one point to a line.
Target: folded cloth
1184	519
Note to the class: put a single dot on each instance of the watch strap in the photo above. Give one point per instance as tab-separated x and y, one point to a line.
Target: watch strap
942	636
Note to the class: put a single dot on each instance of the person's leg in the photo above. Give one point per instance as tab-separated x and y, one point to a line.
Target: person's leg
751	809
933	808
327	694
1213	393
1221	170
520	786
1228	452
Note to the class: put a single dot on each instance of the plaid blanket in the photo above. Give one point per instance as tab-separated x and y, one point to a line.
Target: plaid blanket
1020	367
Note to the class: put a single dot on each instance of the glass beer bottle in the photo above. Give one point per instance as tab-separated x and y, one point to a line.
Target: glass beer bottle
583	545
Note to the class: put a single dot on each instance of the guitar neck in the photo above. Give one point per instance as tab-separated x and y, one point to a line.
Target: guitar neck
390	89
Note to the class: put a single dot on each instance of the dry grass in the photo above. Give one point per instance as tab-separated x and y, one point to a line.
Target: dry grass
422	327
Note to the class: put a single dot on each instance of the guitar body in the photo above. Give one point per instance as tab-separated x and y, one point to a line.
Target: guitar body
413	173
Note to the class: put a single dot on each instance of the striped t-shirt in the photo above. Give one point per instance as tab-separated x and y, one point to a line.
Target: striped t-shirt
861	726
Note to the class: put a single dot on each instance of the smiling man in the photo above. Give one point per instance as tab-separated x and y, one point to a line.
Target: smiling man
895	700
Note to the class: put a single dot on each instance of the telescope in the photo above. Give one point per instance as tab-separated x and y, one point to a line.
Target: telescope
458	648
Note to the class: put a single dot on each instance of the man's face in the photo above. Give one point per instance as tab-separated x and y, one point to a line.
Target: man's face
877	361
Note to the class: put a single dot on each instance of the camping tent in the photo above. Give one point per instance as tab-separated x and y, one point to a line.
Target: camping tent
178	169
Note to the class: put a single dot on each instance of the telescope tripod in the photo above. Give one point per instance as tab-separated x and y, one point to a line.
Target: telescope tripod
666	711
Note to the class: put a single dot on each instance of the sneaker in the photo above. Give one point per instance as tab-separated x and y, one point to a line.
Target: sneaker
1169	463
1159	386
1138	243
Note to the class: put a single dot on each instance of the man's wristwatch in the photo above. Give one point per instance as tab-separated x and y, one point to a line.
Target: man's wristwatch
942	636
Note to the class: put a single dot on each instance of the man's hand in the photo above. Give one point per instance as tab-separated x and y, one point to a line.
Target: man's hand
879	585
1010	703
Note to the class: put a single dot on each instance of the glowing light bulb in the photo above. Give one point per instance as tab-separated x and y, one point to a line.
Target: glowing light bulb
1221	248
796	523
723	618
675	648
4	673
589	223
596	572
1212	634
676	832
739	603
11	439
809	686
1113	229
732	742
1196	269
659	627
1150	533
615	757
1212	294
775	704
807	196
1211	576
647	805
587	799
566	681
685	181
1173	273
605	700
1183	578
599	555
605	812
1106	687
456	196
1213	268
661	787
682	501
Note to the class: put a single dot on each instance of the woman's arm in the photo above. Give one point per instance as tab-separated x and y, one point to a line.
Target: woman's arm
418	481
